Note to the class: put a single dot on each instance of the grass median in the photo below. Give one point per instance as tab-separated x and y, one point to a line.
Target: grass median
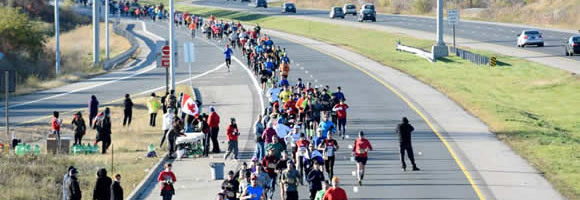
530	106
40	177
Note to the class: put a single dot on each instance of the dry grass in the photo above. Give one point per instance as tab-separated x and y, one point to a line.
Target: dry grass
76	58
40	177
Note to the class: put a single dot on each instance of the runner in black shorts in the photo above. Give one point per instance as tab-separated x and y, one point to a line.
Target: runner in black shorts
360	153
264	75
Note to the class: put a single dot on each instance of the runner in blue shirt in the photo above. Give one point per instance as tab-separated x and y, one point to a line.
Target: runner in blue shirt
228	53
253	192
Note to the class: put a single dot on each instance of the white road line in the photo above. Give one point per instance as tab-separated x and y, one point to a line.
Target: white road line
306	72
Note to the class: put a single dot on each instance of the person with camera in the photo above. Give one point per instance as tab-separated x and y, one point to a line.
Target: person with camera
167	178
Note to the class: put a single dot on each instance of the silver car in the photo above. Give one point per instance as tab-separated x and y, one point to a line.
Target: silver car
530	37
349	9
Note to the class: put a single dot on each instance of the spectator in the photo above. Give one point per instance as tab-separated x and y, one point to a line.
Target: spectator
93	109
167	124
102	190
64	181
153	106
116	189
127	110
55	124
214	122
79	127
72	190
232	133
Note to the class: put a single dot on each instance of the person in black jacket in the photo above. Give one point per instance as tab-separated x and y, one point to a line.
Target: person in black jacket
116	189
404	132
72	190
315	178
103	126
79	127
127	110
231	186
102	189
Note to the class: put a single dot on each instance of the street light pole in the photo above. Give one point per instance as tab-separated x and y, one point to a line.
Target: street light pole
107	32
439	50
171	45
57	36
96	21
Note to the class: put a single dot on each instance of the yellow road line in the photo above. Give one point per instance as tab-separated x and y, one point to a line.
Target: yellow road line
392	89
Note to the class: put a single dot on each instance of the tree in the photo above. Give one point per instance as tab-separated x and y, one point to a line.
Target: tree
19	35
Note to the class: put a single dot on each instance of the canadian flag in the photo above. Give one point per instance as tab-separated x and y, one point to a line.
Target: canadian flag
188	105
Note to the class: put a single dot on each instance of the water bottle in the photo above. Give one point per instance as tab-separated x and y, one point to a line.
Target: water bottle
28	149
20	150
36	149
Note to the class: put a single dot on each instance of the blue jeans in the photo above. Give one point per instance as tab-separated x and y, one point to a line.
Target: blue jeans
260	150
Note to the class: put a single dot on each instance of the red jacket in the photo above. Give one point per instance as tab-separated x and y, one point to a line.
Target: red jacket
164	175
335	194
55	124
214	120
232	133
340	110
267	135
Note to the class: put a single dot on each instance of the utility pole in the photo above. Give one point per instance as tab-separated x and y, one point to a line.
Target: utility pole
439	50
107	32
96	21
57	36
171	46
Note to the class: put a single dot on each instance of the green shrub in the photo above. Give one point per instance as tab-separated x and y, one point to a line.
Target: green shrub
18	35
422	6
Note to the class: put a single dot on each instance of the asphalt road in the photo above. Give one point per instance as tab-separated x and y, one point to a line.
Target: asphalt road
484	32
29	109
375	110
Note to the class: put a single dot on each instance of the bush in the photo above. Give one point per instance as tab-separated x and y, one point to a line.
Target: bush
18	35
422	6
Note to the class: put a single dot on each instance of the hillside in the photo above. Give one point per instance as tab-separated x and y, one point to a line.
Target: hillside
545	13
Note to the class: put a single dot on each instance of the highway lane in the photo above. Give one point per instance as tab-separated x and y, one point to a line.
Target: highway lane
484	32
112	86
376	110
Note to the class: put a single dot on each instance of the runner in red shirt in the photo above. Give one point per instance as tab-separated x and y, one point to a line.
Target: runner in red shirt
301	151
335	192
360	153
166	179
340	110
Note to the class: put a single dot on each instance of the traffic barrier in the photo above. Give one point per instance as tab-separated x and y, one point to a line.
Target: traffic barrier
472	57
417	51
492	61
121	58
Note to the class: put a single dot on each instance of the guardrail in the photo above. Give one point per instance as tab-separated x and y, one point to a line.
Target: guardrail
472	57
417	51
121	58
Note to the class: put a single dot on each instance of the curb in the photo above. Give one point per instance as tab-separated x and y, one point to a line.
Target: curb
138	192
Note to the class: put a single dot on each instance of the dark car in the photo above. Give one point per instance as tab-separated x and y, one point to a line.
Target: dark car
288	7
367	12
261	3
573	45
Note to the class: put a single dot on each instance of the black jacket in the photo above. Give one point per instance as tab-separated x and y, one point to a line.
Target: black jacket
79	126
128	105
404	132
315	178
116	191
72	189
102	189
231	188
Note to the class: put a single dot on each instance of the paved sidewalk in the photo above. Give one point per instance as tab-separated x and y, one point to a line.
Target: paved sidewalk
233	96
496	169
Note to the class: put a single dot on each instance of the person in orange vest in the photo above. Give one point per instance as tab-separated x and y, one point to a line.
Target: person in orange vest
284	69
192	27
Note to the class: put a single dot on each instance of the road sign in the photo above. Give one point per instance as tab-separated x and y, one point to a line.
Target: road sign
188	53
11	80
453	16
165	58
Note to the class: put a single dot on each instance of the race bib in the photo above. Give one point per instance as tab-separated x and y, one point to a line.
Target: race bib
330	152
271	165
361	151
230	194
291	181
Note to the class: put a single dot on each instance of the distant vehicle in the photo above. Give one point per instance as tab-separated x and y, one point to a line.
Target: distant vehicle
288	7
245	1
336	12
261	3
530	37
348	9
573	45
367	12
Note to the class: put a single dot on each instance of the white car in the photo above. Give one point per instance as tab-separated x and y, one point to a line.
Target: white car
336	12
349	9
530	37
